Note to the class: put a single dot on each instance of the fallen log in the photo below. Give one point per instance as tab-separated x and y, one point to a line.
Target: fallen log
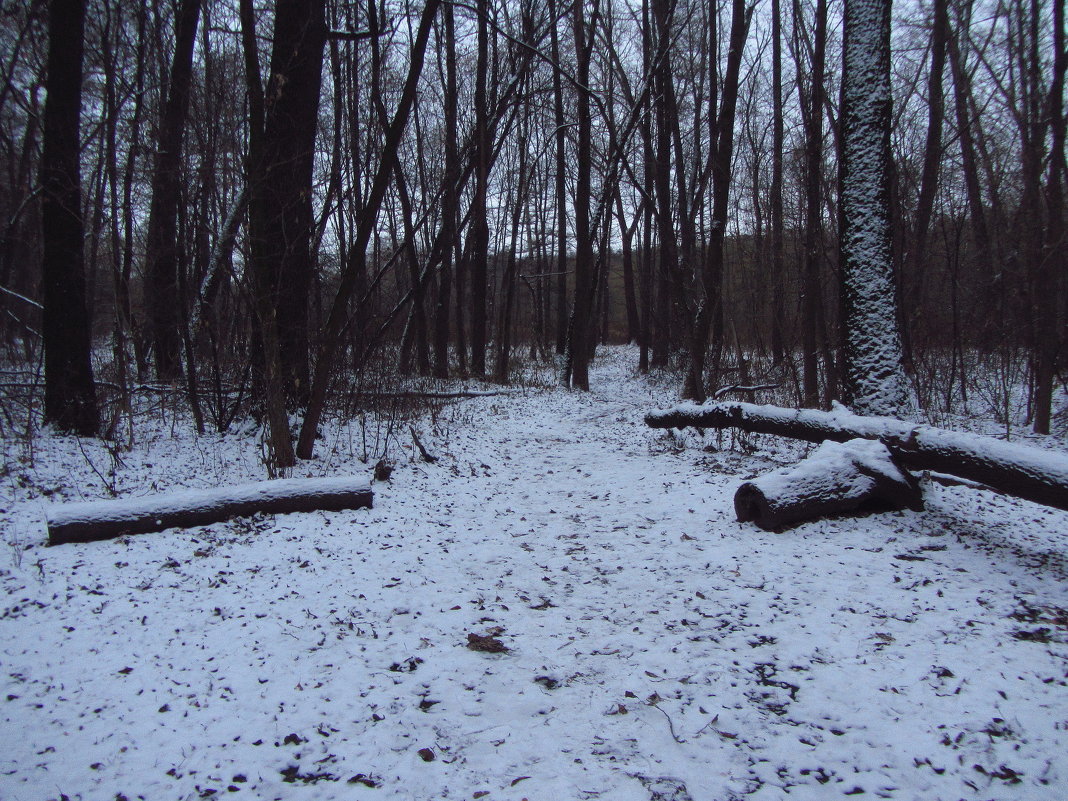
1031	473
835	479
101	520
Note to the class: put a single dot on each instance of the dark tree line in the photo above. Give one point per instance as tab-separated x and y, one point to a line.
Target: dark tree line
257	203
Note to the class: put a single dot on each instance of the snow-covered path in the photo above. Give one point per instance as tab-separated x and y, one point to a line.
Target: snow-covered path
656	649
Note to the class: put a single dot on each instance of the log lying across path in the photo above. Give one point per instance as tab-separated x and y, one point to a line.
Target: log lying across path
101	520
837	478
1031	473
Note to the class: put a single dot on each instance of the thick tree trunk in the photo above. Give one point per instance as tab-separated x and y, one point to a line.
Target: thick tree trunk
1030	473
874	380
101	520
70	397
837	478
450	199
778	249
479	230
1050	271
280	210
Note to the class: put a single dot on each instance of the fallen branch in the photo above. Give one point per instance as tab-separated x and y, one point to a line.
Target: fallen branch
1031	473
719	393
101	520
427	455
432	395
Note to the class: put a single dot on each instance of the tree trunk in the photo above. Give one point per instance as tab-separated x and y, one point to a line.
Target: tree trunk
778	348
479	226
916	262
450	200
837	478
161	256
579	343
70	397
710	299
1036	475
1053	262
560	135
280	210
101	520
874	380
811	289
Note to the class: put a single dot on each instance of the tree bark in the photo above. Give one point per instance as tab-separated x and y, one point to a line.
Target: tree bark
450	199
580	328
1050	271
917	261
70	397
837	478
280	208
1029	473
874	380
161	256
479	226
811	301
101	520
560	177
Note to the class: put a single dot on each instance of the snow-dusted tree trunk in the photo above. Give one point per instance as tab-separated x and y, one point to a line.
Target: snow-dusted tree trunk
874	376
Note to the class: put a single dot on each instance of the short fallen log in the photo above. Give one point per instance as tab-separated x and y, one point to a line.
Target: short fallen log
1031	473
101	520
837	478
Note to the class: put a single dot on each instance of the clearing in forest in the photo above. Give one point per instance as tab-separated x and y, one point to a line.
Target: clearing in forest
562	606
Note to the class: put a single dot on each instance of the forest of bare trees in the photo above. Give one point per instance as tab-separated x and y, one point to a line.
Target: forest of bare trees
279	203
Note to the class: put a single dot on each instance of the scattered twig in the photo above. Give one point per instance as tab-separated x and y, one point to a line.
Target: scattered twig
671	724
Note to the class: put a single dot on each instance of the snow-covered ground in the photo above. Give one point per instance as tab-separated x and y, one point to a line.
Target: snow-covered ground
653	647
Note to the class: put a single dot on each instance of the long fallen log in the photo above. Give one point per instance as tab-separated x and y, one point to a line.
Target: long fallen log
837	478
1031	473
101	520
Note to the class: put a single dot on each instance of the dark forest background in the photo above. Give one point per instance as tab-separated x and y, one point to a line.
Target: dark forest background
283	203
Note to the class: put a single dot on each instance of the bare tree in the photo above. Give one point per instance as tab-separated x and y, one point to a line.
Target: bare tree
161	258
70	397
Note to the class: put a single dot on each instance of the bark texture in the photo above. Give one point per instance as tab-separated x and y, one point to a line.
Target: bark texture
101	520
70	397
837	478
874	373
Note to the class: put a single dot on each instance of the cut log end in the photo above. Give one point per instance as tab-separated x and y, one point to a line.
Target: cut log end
836	479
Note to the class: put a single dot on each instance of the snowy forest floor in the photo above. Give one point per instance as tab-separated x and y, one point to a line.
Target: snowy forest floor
654	648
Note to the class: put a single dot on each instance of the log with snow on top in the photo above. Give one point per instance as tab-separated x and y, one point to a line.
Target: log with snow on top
1030	473
837	478
101	520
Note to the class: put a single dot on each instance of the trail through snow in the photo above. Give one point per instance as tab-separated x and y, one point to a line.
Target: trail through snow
656	648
